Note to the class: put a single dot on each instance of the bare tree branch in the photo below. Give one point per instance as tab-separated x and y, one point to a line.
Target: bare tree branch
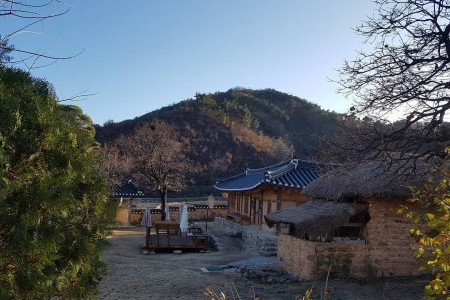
407	72
30	15
155	158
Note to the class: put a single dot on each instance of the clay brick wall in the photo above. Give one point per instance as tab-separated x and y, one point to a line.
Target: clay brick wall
388	239
387	252
122	215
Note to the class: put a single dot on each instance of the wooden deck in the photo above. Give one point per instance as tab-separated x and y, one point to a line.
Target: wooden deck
167	236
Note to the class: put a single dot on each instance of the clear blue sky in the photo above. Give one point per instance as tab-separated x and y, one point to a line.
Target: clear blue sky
142	55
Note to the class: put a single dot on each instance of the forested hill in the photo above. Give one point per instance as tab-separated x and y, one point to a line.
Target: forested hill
225	132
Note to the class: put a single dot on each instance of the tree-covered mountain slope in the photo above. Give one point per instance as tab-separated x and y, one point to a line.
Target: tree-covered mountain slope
226	132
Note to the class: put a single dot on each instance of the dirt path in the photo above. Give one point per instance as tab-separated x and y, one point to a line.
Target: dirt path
133	275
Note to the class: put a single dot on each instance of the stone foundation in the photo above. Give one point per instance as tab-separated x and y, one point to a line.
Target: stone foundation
307	259
262	241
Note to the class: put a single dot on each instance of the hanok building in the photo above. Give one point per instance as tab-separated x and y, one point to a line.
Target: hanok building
256	192
129	191
352	223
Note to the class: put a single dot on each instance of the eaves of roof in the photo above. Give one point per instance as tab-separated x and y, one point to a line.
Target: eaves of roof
293	173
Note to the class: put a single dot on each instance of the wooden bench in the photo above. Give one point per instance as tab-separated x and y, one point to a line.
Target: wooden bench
166	229
169	236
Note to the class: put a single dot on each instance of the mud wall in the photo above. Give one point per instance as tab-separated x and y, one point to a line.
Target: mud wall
387	252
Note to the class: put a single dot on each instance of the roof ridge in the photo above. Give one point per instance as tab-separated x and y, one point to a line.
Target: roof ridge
231	178
281	170
264	169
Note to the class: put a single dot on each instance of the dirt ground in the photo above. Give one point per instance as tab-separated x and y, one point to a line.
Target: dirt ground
134	275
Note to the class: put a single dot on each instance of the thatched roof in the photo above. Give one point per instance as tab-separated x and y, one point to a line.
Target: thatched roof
314	218
367	179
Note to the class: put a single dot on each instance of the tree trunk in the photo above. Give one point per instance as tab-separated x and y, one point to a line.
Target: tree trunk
163	195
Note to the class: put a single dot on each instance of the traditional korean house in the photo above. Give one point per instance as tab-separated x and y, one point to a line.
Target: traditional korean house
126	191
256	192
352	223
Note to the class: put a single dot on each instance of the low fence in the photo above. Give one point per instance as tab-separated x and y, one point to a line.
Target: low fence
196	212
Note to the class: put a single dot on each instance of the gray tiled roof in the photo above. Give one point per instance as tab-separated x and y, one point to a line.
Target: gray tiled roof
293	173
127	190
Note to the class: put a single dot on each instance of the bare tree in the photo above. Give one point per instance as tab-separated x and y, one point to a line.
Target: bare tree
157	158
114	165
408	73
23	18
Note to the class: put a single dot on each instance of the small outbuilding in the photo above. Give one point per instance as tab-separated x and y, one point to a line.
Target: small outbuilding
256	192
127	191
352	223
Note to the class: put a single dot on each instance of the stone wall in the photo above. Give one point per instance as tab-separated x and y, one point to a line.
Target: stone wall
297	256
265	243
307	259
387	252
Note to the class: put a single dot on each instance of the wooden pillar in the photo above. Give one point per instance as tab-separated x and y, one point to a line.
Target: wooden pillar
261	207
130	205
250	208
277	193
241	209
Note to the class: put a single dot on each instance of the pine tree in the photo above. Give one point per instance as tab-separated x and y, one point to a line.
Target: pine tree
53	212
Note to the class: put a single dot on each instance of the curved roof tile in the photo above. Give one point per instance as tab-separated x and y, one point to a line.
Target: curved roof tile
127	190
292	173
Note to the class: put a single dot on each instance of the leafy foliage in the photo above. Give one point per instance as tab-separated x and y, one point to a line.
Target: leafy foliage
5	52
53	214
434	235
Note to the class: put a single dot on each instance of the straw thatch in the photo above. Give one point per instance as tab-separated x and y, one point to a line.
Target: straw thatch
367	179
312	218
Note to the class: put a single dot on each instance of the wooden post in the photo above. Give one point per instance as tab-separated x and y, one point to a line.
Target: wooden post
261	207
130	207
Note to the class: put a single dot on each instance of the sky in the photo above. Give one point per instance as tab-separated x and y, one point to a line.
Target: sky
139	56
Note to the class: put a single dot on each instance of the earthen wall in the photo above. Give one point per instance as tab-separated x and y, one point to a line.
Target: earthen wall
388	250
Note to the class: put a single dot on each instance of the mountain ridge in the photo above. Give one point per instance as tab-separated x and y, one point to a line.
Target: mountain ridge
226	132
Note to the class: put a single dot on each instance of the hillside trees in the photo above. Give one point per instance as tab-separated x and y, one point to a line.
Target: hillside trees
53	213
220	143
406	73
156	157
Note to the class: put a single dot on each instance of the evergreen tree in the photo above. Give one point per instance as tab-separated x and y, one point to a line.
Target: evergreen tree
53	212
